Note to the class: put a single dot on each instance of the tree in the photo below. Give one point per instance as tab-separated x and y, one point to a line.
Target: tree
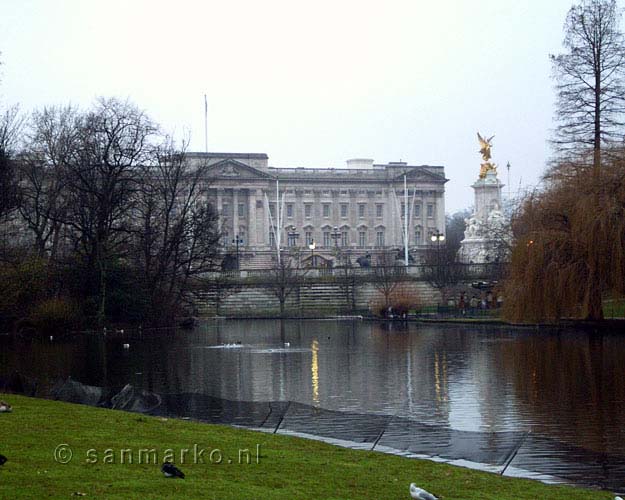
283	280
115	139
387	275
568	246
52	142
176	229
590	80
10	135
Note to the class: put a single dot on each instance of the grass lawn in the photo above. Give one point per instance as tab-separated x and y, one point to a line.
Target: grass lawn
288	468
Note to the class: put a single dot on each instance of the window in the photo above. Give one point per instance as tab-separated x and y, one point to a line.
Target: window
307	210
417	210
417	236
289	210
344	210
326	238
272	209
308	237
379	238
430	210
225	238
403	209
292	240
326	210
272	239
379	210
361	210
225	209
241	210
344	238
362	238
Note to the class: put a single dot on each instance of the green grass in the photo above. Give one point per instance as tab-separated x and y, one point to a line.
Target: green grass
614	308
289	468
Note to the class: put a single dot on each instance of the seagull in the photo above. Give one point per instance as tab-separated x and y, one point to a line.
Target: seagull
5	407
618	498
170	470
420	494
126	346
3	459
287	344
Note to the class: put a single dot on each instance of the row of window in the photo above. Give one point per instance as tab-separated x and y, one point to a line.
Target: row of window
325	207
330	238
342	238
344	210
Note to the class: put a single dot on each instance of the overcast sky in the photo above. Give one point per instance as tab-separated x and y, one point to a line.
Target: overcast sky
309	83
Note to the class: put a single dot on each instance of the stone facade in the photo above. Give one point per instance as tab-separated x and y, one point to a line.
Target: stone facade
363	202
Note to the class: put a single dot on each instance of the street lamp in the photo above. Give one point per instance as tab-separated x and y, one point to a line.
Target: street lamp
238	241
312	245
438	238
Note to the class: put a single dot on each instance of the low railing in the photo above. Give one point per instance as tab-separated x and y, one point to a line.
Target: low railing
446	272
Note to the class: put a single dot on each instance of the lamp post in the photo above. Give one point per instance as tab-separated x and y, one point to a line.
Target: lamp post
237	241
312	245
438	238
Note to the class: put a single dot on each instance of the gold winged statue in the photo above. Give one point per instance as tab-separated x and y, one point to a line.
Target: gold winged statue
485	145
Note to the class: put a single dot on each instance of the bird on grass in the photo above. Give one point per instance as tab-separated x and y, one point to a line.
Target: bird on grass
5	407
3	459
170	470
420	494
618	498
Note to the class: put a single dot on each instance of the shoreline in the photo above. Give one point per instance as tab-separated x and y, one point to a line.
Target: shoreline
36	427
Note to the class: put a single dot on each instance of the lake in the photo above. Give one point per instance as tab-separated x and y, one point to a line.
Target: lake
527	401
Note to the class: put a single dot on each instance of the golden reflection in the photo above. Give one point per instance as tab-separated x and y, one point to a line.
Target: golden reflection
437	378
314	369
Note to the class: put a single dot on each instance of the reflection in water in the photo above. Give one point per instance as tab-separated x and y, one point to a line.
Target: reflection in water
314	369
565	387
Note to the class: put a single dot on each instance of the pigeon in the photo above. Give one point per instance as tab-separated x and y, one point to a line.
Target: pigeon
170	470
5	407
3	459
420	494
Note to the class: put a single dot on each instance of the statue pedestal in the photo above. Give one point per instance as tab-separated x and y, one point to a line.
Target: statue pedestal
486	224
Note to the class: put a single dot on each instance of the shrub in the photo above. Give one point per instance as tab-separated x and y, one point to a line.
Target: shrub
401	301
53	315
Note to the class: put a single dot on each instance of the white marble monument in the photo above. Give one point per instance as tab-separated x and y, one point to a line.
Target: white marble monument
487	227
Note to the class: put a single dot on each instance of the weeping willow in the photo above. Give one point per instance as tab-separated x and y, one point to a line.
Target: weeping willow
569	248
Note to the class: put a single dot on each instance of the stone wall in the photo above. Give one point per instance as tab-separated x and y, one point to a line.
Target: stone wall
309	299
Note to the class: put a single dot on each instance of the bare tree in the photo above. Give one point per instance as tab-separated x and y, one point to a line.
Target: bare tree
283	280
53	140
115	140
176	229
590	80
387	275
10	129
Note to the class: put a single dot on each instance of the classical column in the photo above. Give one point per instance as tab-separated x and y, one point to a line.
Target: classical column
235	213
440	210
266	224
221	220
251	217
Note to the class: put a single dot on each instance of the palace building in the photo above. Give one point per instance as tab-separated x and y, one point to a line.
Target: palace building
354	211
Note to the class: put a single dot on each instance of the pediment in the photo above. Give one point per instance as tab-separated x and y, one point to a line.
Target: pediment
236	170
420	174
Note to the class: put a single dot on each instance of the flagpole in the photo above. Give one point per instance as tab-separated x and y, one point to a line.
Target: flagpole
205	124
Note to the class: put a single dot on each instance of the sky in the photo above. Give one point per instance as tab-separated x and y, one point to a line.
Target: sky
311	84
